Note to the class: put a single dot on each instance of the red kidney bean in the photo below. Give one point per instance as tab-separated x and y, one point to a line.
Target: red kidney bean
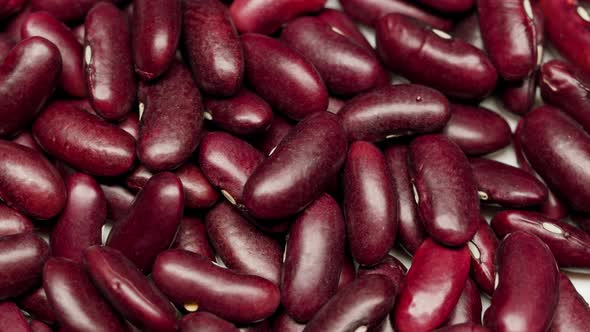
78	305
156	33
360	305
434	58
44	25
37	326
466	327
528	285
283	323
30	184
194	282
192	236
348	273
467	30
572	312
204	321
299	92
213	47
367	12
268	141
11	7
390	267
477	130
483	254
26	139
468	308
411	233
22	96
243	114
313	259
559	150
241	246
519	96
446	189
67	10
508	186
12	319
83	140
37	305
128	290
370	207
299	170
151	222
266	16
432	287
80	224
172	119
449	6
119	201
13	222
395	110
342	24
109	61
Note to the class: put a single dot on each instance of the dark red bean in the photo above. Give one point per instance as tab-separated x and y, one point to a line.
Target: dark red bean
22	96
446	189
313	259
80	224
11	7
467	327
243	114
299	92
26	139
13	222
30	184
367	12
572	312
241	246
370	207
467	30
299	170
83	140
359	306
449	6
343	25
411	233
109	62
37	305
37	326
434	58
468	308
128	290
483	254
283	323
519	96
119	201
130	125
12	319
279	128
13	26
151	222
192	236
348	273
204	321
194	282
156	33
390	267
558	149
528	285
432	287
67	10
392	111
78	305
477	130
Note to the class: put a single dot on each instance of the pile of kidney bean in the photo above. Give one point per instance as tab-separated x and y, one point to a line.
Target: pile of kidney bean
248	165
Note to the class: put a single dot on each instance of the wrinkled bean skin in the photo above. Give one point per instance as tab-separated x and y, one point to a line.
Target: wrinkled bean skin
342	24
449	6
80	224
424	56
348	273
370	207
266	16
37	305
192	236
77	303
468	308
13	222
390	267
156	33
364	302
206	322
477	130
411	233
109	61
128	290
67	10
432	287
313	259
483	254
187	279
151	222
299	170
572	313
12	319
241	246
528	286
119	200
30	184
283	77
22	96
467	327
37	326
172	119
570	245
448	201
559	150
72	76
283	323
395	110
84	140
506	185
213	47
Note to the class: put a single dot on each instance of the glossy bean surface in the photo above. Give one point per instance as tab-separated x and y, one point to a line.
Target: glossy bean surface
342	24
204	321
483	255
12	319
572	313
468	308
13	222
192	236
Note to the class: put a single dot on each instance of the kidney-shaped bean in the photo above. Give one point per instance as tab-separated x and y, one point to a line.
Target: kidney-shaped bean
483	255
204	321
12	319
13	222
468	308
573	312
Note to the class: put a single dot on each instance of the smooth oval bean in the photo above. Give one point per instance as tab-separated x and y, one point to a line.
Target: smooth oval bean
119	200
300	90
283	323
395	110
109	61
12	319
342	24
432	287
390	267
67	10
194	282
468	308
37	305
192	236
483	254
528	285
572	313
204	321
449	6
28	77
13	222
434	58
